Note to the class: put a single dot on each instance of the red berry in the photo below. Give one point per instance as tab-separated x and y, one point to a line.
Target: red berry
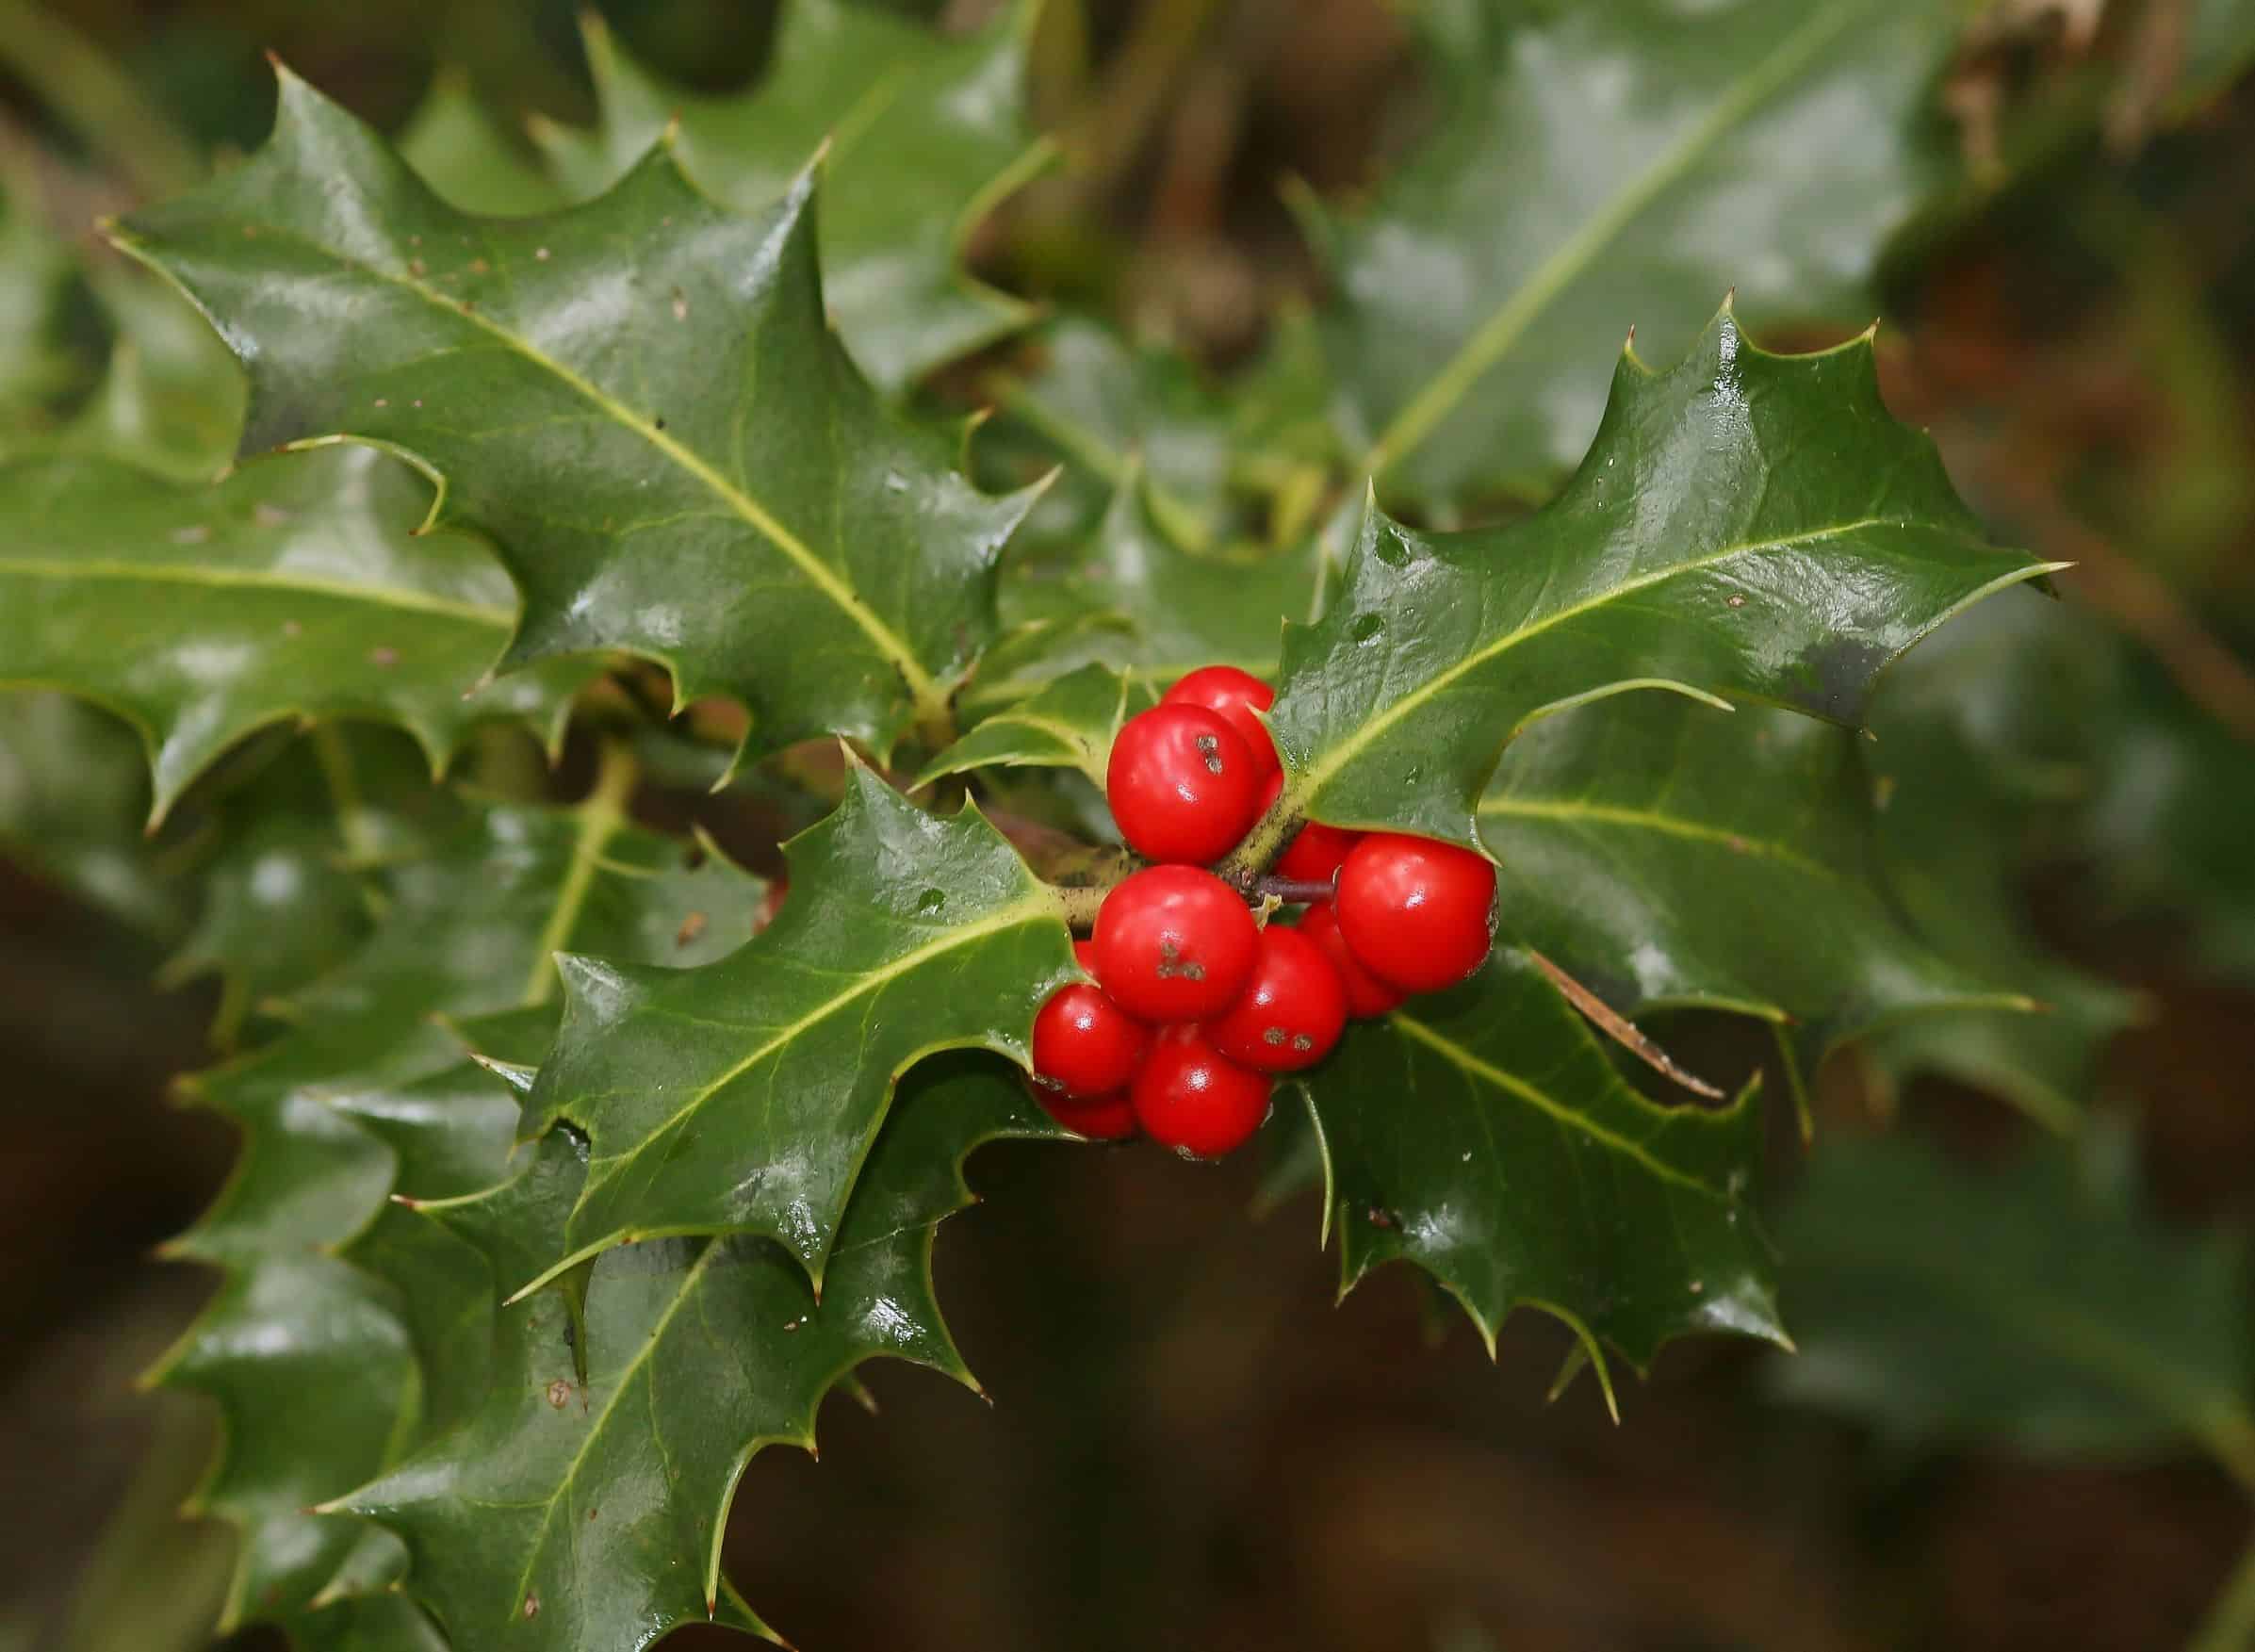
1314	853
1234	696
1085	1044
1182	783
1174	943
1290	1013
1108	1118
1366	996
1192	1097
1415	911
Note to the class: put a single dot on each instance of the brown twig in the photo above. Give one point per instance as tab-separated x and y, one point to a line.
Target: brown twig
1621	1030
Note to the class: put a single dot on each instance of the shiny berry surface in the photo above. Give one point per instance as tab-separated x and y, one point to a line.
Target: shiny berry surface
1366	996
1085	1044
1108	1118
1415	912
1290	1013
1194	1099
1234	696
1174	943
1183	784
1316	852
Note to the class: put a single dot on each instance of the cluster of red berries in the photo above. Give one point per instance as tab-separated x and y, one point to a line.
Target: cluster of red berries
1197	1006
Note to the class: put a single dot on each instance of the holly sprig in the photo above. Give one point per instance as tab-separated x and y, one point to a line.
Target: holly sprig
550	1113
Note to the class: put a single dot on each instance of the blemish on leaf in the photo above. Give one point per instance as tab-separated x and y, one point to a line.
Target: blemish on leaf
691	927
559	1393
416	267
531	1606
193	536
1367	629
681	306
540	255
1737	601
479	267
383	657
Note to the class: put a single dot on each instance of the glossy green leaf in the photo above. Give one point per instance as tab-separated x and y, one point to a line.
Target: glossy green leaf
1672	855
280	901
1746	524
925	132
1485	1135
292	589
1069	725
636	399
1611	166
309	1357
2035	1305
1209	449
742	1098
586	1511
1134	600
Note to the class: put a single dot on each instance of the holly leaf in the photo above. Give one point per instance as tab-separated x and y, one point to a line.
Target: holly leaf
452	140
381	1623
1988	757
742	1098
1485	1135
925	132
290	590
1672	855
1136	602
1746	524
308	1357
2036	1305
2165	822
74	800
1069	725
584	1506
279	900
173	399
636	399
1102	406
1598	168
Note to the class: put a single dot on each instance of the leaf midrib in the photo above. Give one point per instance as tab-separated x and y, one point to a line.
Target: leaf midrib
921	683
1493	338
1580	812
1511	1084
625	1379
1028	909
1337	756
69	568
